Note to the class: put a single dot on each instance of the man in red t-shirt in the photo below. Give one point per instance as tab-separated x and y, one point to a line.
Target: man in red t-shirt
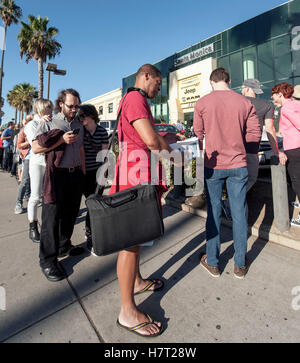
228	120
136	131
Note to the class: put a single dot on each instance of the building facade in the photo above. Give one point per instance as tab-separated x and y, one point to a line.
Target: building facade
266	47
107	104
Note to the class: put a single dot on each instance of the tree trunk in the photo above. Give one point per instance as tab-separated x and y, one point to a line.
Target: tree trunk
2	64
41	77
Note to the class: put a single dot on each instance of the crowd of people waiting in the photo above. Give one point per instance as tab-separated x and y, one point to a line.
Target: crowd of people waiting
58	156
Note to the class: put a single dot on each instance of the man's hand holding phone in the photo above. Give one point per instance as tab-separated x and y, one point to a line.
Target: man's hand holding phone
71	136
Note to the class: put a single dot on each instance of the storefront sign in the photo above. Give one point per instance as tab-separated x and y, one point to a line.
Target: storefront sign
189	90
194	55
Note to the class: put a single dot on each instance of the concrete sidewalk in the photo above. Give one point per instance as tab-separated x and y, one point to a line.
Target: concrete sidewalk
193	306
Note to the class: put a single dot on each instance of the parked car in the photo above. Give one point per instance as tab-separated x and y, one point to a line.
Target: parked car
169	132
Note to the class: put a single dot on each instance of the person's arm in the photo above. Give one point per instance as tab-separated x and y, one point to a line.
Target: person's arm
68	138
22	143
154	141
198	126
271	133
253	130
3	137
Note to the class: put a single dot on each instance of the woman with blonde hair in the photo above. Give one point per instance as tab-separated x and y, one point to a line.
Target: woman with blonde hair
42	113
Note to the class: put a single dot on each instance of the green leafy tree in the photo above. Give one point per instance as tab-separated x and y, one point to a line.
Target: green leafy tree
37	42
21	97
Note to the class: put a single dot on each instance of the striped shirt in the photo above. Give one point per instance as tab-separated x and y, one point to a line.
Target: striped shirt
92	145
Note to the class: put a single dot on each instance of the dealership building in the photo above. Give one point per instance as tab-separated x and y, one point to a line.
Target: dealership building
266	47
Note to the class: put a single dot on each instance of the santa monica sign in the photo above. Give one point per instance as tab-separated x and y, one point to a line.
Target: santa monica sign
194	55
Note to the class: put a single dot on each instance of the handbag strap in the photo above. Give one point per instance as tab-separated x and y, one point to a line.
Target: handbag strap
100	188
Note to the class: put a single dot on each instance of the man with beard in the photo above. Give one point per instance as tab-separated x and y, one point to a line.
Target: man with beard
59	215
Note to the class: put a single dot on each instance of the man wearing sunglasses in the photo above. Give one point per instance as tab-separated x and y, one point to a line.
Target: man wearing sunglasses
59	217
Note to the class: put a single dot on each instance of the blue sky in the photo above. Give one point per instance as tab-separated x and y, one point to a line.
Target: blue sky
104	41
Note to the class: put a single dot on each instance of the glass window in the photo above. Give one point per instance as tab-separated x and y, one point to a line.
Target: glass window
265	62
101	111
234	39
296	54
236	70
279	23
110	108
224	62
225	42
267	88
250	63
282	57
263	28
165	114
158	111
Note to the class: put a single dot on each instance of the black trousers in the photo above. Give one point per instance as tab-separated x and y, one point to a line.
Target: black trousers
293	168
58	219
90	186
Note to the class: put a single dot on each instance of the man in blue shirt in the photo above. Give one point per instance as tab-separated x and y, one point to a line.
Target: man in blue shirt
7	138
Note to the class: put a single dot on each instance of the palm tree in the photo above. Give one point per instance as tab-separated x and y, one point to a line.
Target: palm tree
37	42
21	97
10	14
13	102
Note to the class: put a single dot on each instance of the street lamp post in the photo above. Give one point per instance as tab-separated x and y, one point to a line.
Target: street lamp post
53	68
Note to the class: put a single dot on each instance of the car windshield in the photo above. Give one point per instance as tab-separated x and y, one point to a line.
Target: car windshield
165	128
104	124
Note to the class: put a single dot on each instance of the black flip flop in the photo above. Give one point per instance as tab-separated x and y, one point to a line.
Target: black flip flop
142	325
151	283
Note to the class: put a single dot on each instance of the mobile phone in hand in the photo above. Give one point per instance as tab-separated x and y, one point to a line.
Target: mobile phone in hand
76	131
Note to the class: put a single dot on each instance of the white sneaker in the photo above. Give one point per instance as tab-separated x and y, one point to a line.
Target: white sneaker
296	205
296	222
19	209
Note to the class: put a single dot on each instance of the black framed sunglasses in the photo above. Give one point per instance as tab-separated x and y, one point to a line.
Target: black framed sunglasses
72	106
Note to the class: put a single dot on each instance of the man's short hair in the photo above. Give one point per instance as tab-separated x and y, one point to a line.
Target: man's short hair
286	89
219	75
62	97
148	68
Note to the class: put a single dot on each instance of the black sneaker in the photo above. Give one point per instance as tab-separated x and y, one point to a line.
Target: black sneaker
72	251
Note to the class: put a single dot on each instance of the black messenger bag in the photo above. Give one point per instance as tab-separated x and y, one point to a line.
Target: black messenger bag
124	219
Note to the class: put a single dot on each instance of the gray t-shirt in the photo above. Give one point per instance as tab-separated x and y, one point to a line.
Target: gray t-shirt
264	109
72	156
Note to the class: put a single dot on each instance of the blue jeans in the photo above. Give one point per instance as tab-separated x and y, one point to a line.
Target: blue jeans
236	182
